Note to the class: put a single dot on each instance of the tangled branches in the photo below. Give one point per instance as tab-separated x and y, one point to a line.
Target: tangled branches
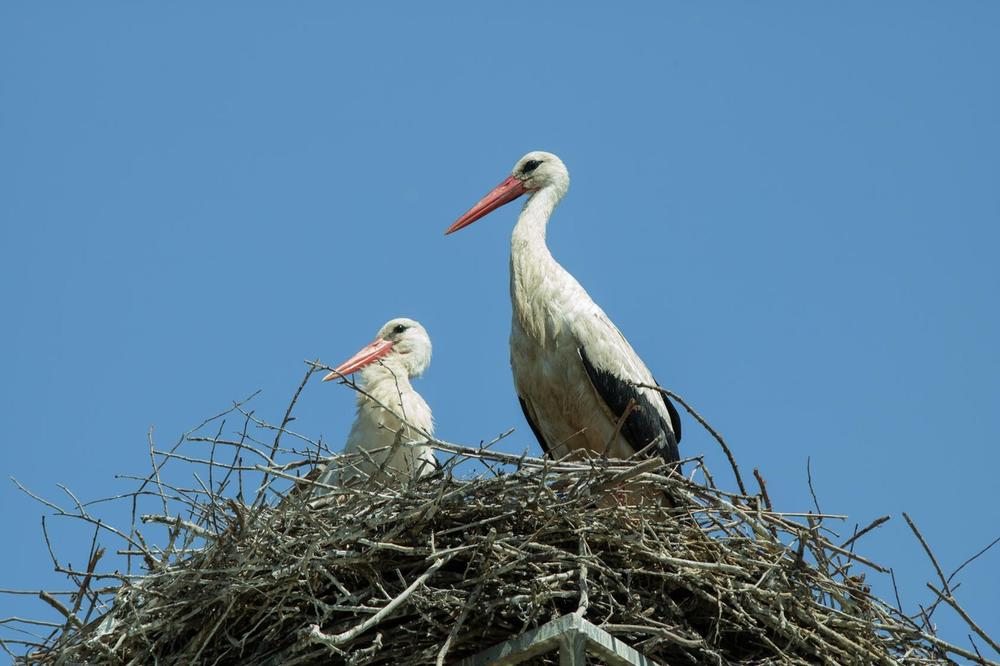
443	566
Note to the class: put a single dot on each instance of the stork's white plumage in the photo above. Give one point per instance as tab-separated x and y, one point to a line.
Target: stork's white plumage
574	372
400	351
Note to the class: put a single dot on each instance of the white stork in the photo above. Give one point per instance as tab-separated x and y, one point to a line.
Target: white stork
400	351
574	372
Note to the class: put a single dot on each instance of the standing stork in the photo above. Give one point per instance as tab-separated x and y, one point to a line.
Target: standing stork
400	351
575	374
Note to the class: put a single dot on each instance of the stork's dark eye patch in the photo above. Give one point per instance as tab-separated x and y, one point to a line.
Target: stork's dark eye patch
531	165
400	328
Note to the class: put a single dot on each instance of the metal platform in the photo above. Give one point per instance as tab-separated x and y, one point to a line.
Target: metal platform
573	636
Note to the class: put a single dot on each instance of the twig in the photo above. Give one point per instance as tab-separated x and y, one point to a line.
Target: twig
950	600
281	429
629	408
812	491
339	639
930	554
763	488
581	609
466	608
895	590
58	605
973	558
176	521
712	431
857	535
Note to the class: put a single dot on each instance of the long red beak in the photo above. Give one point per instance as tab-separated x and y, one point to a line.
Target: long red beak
368	355
503	193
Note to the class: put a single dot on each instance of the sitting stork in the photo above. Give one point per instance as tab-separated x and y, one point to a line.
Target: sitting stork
575	374
400	351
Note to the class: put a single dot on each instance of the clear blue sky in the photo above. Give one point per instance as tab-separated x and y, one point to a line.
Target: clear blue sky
791	209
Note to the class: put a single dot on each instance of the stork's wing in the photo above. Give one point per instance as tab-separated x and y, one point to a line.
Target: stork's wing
645	424
533	425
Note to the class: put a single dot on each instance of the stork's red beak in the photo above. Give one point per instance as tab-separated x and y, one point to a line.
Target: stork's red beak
503	193
368	355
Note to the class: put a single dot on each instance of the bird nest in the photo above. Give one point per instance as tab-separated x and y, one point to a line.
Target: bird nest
447	565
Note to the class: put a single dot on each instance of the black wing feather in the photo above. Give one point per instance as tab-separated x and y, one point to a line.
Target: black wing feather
644	424
533	426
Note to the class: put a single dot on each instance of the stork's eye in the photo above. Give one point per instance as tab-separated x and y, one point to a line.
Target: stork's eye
531	165
400	328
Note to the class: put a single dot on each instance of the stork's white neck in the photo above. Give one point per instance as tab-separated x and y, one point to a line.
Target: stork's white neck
536	278
390	371
530	227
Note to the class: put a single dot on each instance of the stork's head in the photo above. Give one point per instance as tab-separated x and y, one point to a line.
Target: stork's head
540	169
535	171
400	342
